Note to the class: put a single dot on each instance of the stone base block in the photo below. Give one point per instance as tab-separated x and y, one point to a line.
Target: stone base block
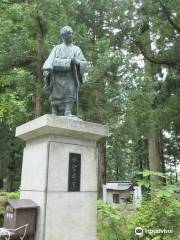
72	216
50	141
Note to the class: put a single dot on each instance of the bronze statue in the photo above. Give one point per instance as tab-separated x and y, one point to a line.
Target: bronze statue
63	74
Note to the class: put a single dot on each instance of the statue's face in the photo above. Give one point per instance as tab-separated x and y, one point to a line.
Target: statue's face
68	37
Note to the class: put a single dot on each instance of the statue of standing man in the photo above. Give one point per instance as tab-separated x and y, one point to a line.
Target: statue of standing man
63	74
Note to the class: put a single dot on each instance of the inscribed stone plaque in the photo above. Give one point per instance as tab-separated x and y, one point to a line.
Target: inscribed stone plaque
74	172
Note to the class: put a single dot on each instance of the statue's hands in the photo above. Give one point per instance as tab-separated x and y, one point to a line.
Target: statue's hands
45	74
46	77
75	61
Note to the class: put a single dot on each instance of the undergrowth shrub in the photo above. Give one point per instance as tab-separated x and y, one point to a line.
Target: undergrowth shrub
156	217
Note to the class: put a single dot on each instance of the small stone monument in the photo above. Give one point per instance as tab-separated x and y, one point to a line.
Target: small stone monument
59	173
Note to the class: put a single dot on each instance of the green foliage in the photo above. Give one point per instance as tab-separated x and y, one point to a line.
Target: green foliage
16	87
159	191
112	224
20	23
4	196
147	173
159	213
10	158
145	181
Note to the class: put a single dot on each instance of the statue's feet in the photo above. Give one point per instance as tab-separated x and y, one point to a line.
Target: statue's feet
68	114
54	111
74	117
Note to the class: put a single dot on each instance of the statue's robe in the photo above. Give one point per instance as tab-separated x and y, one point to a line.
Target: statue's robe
63	83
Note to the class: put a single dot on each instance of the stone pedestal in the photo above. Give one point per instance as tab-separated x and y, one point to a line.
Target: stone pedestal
66	212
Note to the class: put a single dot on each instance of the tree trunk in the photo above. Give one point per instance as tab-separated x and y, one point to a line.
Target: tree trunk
39	64
154	153
162	156
175	166
6	184
154	159
101	165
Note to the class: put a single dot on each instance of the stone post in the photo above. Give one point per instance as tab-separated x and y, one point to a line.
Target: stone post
59	173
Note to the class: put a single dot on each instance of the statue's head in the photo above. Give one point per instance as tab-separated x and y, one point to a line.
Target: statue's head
67	34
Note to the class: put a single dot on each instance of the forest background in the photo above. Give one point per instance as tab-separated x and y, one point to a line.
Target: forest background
132	81
132	84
